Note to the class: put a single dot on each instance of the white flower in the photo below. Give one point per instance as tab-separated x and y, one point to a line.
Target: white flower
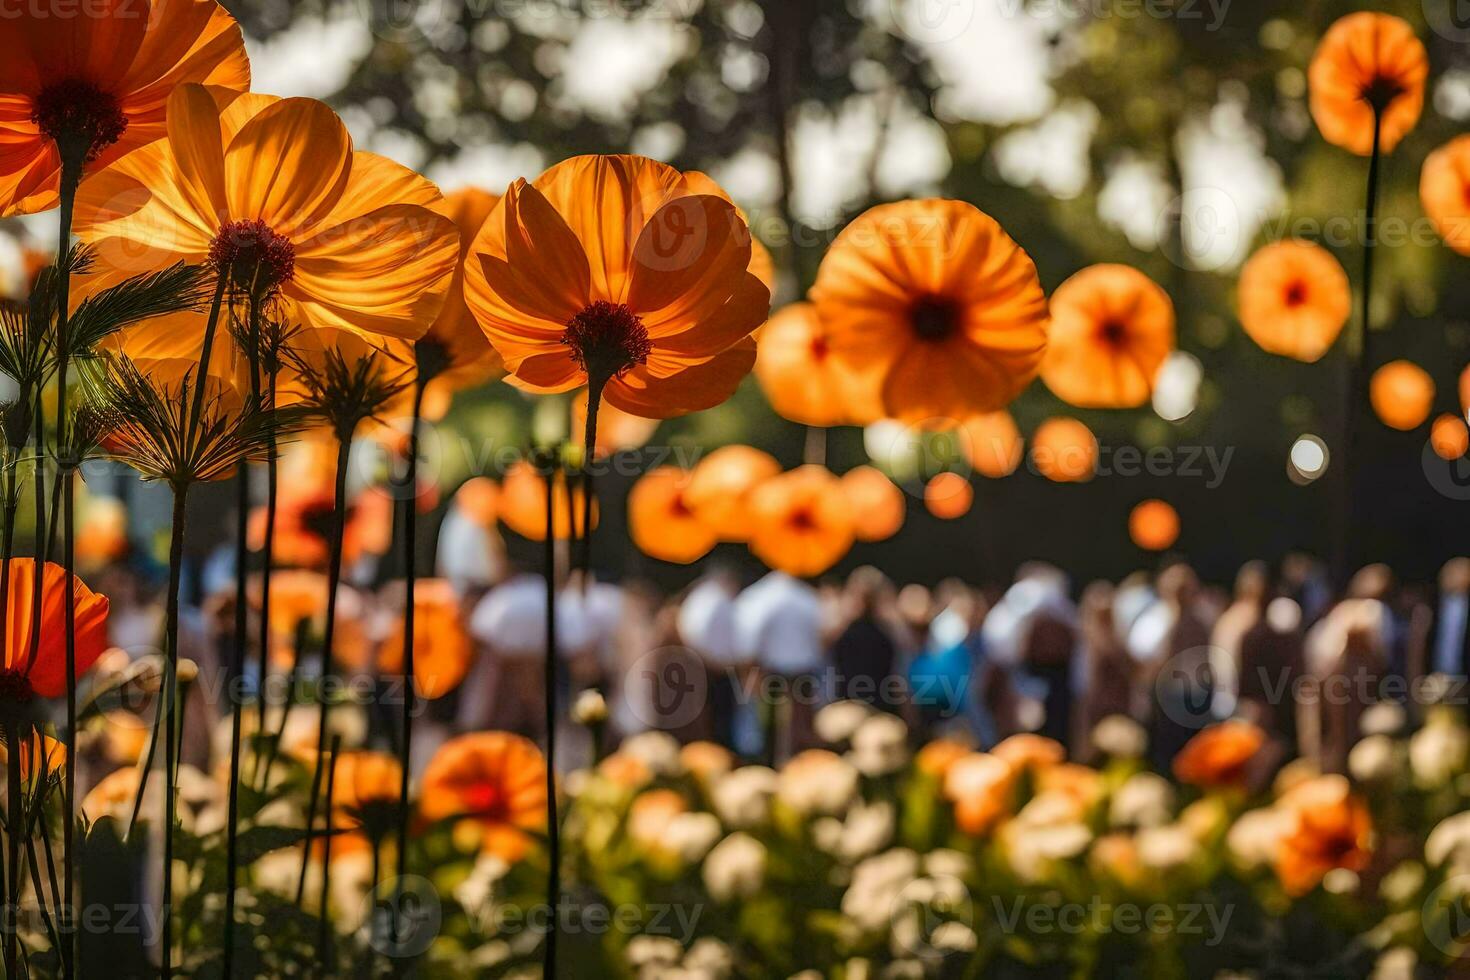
1120	737
659	751
880	745
736	868
1253	839
1437	752
954	937
590	708
876	886
867	830
839	720
742	799
710	958
945	862
1032	849
817	782
1145	799
1382	718
1449	842
691	835
1163	848
1399	963
476	893
653	950
1372	759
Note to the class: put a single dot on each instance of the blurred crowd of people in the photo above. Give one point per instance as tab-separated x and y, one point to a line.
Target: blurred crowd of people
749	663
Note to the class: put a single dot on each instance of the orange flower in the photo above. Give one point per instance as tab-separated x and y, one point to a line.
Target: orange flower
719	491
1153	525
102	534
25	676
706	760
933	308
622	272
801	522
113	795
980	786
271	192
650	815
365	792
1218	755
300	595
992	443
442	650
877	505
497	780
1444	190
1030	751
660	520
617	430
478	498
523	504
1294	298
1402	393
40	753
1112	327
454	351
1064	450
948	496
97	81
800	377
936	758
1367	62
1449	437
1331	828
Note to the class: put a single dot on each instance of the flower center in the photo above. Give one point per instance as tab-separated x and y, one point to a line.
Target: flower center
483	800
933	318
1113	333
15	687
79	116
803	519
255	257
1296	294
1381	91
606	340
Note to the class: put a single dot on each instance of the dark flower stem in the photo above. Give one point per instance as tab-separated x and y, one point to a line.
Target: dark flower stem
334	575
324	935
1357	349
268	551
589	441
410	578
170	711
553	832
15	826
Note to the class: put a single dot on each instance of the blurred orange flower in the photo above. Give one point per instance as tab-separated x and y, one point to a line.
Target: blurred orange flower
40	753
98	81
1064	450
271	192
800	521
102	533
479	499
365	791
948	496
1402	394
442	650
877	504
1293	299
660	520
1153	525
979	785
42	672
992	443
936	758
1449	437
497	780
933	308
1367	61
1331	828
1218	755
523	504
1444	191
113	795
719	490
800	377
1027	750
622	272
1111	329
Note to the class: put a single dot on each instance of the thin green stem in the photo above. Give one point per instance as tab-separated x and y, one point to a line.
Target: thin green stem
170	709
553	835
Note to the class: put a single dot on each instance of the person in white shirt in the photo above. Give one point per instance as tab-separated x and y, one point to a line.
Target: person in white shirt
507	688
707	626
779	629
